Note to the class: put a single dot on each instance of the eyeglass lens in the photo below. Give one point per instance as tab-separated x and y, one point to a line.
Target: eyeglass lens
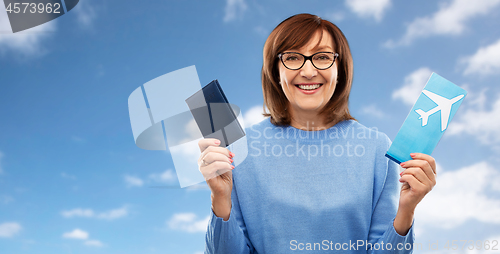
319	60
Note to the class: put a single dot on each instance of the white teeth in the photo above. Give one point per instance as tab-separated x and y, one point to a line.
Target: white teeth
309	87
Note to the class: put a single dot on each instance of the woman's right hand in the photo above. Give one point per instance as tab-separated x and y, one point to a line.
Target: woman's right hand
215	165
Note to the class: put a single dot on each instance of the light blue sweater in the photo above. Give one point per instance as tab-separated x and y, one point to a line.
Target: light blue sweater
312	191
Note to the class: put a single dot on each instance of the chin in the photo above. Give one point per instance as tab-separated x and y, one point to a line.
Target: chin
311	107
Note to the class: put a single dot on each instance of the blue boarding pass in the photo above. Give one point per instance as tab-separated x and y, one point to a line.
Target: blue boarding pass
428	119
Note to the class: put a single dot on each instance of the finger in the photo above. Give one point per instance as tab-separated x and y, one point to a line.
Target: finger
204	143
216	149
225	176
428	158
405	186
419	175
424	166
412	181
416	186
215	169
213	156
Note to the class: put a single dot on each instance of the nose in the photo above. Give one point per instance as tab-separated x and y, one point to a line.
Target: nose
308	70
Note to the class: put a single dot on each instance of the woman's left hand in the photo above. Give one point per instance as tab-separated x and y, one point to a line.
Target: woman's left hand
418	178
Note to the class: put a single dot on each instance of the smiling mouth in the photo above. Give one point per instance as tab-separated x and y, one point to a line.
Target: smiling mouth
309	87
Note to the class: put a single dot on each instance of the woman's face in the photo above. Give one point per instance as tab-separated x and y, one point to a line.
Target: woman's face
309	101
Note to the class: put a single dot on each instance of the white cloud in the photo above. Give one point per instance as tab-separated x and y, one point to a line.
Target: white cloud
79	234
485	61
166	176
76	234
85	13
27	42
9	229
479	122
476	99
369	8
193	130
372	110
449	20
461	195
78	212
89	213
234	9
94	243
133	181
253	116
114	214
188	222
413	85
335	16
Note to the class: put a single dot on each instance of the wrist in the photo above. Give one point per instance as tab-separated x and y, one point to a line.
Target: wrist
403	221
406	209
221	206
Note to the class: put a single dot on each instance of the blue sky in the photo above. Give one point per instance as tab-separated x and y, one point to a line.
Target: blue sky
73	181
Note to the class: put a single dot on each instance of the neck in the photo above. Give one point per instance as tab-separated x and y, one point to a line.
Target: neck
309	121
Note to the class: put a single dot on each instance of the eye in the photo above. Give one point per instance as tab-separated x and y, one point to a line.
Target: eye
292	57
322	57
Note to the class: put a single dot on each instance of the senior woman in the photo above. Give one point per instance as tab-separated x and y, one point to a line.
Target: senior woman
314	179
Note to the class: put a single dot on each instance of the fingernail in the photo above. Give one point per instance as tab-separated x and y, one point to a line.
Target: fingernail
400	174
232	167
231	154
217	142
231	160
402	164
412	154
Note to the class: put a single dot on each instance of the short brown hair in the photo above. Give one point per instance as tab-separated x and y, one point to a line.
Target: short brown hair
295	32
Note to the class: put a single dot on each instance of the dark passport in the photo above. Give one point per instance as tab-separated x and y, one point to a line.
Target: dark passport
213	114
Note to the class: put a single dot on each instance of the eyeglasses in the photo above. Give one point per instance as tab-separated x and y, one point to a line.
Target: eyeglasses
320	60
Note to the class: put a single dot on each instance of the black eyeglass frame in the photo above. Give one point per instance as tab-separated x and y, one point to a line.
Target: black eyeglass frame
335	56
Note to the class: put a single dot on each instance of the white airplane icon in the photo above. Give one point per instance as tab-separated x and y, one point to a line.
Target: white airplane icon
443	105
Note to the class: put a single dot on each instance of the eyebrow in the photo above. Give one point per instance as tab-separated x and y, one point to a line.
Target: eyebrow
315	48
